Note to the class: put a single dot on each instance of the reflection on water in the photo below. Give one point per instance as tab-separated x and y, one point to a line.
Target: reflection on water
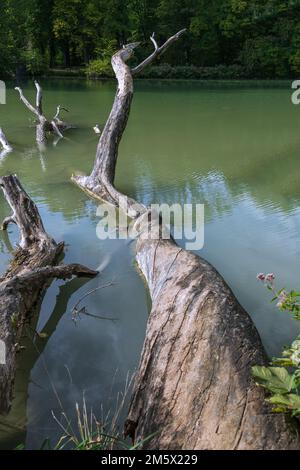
234	148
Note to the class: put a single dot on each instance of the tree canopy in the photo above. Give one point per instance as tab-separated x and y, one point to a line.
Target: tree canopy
262	36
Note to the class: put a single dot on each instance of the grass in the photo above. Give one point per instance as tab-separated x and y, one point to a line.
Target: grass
90	433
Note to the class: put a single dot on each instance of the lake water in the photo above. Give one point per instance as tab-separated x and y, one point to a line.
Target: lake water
233	147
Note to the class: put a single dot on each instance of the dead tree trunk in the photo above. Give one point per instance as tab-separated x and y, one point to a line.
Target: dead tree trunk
43	125
194	385
35	263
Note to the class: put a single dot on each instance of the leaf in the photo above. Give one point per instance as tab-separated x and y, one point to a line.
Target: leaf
140	443
20	447
291	401
46	445
275	379
282	361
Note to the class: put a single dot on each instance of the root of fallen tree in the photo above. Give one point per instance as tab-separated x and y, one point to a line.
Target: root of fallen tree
194	386
33	267
43	125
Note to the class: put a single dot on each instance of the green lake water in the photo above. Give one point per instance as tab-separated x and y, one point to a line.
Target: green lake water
234	148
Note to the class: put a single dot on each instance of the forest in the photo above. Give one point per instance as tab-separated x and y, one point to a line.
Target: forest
225	38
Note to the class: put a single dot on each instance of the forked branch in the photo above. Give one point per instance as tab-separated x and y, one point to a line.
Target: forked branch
44	126
26	102
157	51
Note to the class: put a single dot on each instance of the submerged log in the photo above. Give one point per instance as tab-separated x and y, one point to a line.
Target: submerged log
43	125
194	386
34	265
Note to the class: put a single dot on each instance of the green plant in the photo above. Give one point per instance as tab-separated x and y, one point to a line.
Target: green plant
90	433
34	61
99	68
282	377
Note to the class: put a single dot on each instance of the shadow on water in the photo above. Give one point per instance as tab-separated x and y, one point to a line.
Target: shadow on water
13	426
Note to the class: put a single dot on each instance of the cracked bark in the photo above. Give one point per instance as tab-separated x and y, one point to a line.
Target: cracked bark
33	267
193	350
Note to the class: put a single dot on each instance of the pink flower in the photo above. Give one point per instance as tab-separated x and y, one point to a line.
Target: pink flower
281	299
261	277
270	277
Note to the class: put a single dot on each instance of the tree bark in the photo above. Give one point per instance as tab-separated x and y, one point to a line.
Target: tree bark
194	386
43	125
34	264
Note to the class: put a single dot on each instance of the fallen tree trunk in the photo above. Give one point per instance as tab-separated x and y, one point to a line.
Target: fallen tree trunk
34	265
44	126
194	385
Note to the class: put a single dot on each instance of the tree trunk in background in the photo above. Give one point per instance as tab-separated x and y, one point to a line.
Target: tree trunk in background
194	386
67	59
34	264
43	125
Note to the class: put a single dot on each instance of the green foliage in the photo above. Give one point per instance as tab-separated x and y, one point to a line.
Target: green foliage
261	38
275	379
90	433
282	382
285	403
36	63
99	68
218	72
102	67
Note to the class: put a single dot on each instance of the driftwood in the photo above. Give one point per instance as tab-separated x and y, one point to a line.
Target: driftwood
194	386
34	265
43	125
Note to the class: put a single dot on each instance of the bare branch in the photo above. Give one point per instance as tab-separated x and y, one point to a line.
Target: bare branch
58	109
25	212
7	221
56	129
76	311
152	38
39	97
64	271
26	102
157	51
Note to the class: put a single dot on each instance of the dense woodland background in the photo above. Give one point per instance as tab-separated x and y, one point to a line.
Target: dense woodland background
225	39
